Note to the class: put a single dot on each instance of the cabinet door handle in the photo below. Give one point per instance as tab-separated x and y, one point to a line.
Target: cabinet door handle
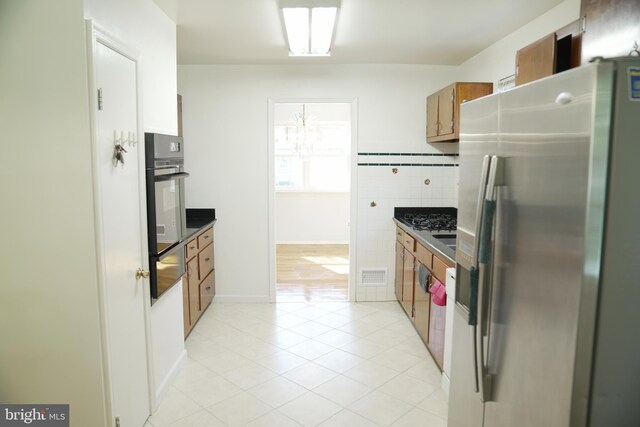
192	247
205	237
207	259
208	288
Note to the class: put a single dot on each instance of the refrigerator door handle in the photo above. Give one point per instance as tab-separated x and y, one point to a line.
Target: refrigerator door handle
486	162
474	272
484	258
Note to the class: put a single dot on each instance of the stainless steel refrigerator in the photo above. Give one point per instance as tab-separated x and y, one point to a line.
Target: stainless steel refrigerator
546	330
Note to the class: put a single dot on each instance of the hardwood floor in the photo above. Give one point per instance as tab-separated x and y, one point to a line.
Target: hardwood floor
312	273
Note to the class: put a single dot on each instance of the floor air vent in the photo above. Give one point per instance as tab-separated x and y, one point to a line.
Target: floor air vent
373	277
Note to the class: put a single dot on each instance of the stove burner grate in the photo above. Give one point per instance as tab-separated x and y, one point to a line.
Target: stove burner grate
431	222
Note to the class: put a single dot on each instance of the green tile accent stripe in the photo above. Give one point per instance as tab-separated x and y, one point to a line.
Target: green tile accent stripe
402	162
410	164
410	154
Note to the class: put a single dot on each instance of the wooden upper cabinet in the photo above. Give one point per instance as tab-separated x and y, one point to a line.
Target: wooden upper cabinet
554	53
537	60
432	116
443	109
611	28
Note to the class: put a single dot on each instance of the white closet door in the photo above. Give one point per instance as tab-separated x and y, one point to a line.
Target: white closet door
119	193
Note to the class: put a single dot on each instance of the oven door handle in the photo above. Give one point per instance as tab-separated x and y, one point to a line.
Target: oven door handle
170	177
168	251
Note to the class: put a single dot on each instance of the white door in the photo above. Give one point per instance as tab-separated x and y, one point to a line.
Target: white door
119	193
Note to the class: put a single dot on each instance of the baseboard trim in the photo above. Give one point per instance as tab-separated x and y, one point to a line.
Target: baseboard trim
178	365
446	383
315	242
241	298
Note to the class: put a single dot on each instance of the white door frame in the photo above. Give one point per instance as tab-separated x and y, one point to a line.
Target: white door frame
353	191
94	35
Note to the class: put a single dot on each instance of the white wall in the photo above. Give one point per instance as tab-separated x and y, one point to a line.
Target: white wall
225	119
167	338
499	60
142	25
226	134
49	324
305	217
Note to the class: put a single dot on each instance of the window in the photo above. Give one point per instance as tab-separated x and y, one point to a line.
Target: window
311	155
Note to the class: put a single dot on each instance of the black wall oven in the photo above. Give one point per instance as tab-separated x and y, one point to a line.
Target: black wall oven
166	218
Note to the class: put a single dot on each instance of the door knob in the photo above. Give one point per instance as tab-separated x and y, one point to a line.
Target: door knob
140	273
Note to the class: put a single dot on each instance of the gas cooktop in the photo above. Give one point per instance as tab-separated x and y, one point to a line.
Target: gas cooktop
432	222
437	221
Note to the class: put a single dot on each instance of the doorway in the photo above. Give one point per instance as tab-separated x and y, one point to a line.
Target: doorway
311	169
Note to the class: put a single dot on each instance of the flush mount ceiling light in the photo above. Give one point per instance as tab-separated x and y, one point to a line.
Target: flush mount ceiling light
309	25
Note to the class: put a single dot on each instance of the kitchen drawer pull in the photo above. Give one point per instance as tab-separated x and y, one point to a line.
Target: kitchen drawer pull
208	288
205	237
207	259
192	247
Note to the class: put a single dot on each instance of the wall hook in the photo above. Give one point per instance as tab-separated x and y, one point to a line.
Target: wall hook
132	138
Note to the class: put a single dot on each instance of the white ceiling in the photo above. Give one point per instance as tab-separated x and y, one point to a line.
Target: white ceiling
443	32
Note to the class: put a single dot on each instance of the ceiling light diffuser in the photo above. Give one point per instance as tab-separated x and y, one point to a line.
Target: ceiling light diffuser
309	26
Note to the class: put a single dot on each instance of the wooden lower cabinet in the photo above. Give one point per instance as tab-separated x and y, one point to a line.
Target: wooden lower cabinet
399	270
408	282
421	304
199	282
207	289
194	291
414	296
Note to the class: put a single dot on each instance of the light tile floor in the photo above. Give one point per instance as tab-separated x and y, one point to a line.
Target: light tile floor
303	364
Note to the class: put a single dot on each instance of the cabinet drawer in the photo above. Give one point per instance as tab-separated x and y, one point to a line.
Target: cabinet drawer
205	238
439	269
205	261
192	248
406	240
424	256
207	290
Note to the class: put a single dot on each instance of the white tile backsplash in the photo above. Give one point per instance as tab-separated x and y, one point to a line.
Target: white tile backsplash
376	229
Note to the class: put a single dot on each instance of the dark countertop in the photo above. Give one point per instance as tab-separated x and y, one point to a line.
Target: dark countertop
197	219
444	252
